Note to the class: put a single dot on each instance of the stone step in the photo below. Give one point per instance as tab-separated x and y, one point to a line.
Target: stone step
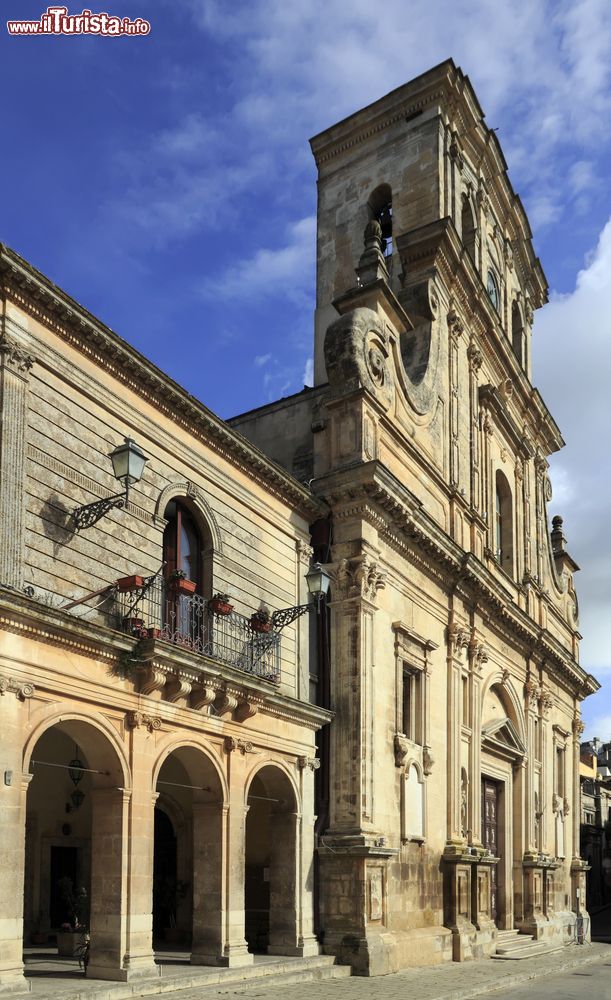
268	972
528	948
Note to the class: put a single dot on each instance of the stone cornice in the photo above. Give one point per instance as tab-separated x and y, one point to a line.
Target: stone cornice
40	297
180	673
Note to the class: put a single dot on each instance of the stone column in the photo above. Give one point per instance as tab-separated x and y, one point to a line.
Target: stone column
235	950
548	835
457	639
531	693
283	882
356	582
109	899
15	366
209	820
578	728
474	356
12	863
477	657
140	843
305	625
307	942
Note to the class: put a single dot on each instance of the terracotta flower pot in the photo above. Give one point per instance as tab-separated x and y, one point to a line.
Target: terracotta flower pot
258	626
182	586
220	607
129	583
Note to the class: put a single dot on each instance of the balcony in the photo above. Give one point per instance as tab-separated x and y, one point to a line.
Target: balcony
158	610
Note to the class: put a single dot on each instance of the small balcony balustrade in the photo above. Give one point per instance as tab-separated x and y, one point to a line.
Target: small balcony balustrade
158	610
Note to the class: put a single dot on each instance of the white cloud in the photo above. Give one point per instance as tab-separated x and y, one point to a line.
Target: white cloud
308	372
286	272
572	365
262	359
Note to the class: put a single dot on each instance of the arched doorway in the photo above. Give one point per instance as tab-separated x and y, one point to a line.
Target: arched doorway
271	858
501	790
189	858
75	823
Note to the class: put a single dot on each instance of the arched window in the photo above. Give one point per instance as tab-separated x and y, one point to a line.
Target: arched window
492	287
517	334
380	209
467	225
503	524
184	547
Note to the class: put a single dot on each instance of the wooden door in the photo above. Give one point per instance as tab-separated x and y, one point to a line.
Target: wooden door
490	835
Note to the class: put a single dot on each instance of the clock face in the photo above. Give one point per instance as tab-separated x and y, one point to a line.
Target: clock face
493	290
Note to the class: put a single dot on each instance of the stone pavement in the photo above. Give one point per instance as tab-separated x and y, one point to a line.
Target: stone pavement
448	982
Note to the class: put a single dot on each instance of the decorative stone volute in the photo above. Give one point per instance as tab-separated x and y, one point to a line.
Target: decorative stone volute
357	355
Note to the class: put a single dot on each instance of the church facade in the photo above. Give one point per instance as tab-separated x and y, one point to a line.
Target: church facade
189	755
452	806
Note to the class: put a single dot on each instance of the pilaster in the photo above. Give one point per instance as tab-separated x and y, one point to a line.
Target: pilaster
15	364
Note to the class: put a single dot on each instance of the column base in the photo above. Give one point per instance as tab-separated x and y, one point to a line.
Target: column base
237	955
14	985
201	958
306	949
143	967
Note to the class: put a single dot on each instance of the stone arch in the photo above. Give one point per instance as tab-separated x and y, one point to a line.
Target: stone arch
194	496
189	863
53	715
173	743
91	853
282	766
272	853
503	523
379	206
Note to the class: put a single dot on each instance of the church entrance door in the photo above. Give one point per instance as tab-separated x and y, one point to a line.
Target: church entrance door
490	836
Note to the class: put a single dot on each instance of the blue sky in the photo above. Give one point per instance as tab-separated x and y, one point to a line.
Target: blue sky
166	182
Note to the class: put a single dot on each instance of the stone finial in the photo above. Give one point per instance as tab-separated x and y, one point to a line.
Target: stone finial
372	265
557	535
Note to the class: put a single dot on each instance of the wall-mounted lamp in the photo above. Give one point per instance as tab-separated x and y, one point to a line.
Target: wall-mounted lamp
318	581
128	461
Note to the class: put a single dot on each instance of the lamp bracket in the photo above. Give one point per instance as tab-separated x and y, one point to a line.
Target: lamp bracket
286	616
91	513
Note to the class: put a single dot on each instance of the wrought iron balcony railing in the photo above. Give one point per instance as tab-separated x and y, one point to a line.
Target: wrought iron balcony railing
158	610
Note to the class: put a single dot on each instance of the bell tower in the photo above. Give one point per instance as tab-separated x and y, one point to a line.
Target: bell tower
421	154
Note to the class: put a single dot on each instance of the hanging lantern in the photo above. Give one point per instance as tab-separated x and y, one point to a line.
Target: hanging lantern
76	770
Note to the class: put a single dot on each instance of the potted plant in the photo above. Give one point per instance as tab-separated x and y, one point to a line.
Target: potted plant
220	604
178	583
134	625
72	933
261	620
128	583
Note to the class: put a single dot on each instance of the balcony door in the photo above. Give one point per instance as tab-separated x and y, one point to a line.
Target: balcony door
183	553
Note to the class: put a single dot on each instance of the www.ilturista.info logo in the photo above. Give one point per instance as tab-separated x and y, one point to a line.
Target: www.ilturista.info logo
57	21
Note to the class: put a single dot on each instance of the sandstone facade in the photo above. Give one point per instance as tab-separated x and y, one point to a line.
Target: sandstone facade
453	800
157	754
